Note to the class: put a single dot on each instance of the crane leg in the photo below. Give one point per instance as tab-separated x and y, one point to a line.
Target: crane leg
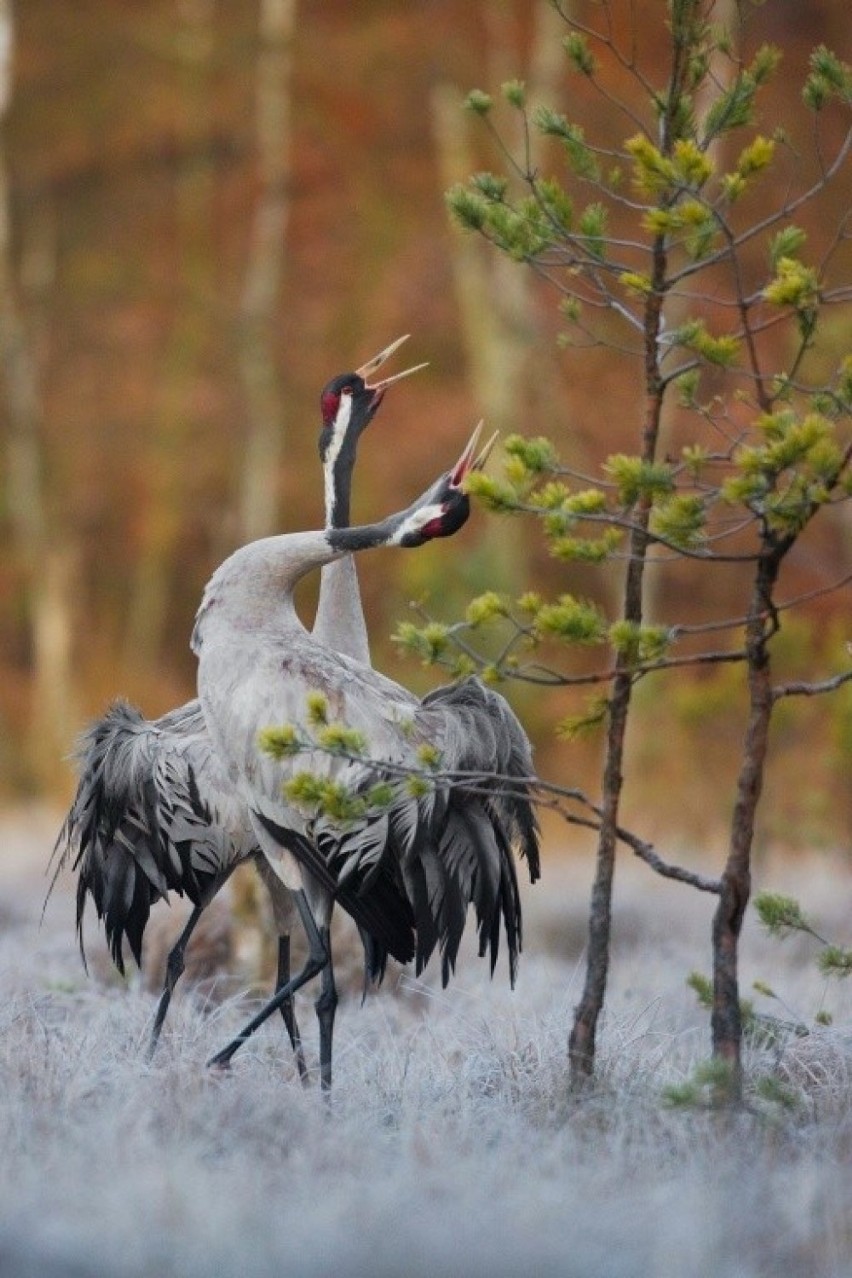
317	960
287	1010
282	912
326	1006
174	971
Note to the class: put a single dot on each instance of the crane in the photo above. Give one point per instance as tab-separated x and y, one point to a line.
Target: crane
155	811
408	871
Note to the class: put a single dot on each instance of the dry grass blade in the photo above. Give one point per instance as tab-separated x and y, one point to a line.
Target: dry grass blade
450	1134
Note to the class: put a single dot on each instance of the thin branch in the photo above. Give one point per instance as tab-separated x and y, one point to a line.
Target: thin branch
818	593
607	40
549	677
644	851
782	214
545	794
611	520
680	874
803	689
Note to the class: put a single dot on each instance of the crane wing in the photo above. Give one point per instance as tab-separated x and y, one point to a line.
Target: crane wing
452	847
154	812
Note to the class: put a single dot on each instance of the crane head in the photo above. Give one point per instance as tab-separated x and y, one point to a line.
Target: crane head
444	508
350	401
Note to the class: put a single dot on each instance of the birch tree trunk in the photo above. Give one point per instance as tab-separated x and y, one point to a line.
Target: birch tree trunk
260	302
494	298
257	499
149	603
46	561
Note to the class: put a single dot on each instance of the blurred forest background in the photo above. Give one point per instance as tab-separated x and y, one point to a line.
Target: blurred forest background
210	207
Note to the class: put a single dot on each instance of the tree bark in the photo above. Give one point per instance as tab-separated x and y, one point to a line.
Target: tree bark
168	448
46	561
682	306
494	298
726	1021
582	1039
258	496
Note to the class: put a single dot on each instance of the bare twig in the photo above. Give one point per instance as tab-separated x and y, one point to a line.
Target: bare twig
805	689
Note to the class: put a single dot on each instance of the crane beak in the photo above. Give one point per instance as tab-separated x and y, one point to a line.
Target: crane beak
374	364
471	460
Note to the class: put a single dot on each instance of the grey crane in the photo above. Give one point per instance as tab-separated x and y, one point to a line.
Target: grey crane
408	872
155	811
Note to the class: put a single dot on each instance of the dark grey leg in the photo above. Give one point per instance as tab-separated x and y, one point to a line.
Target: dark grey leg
317	960
326	1006
174	971
287	1009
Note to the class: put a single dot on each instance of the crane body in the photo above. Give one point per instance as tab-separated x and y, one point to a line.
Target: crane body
155	811
407	874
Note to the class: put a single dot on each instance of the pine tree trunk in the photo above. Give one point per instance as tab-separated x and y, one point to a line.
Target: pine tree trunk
736	878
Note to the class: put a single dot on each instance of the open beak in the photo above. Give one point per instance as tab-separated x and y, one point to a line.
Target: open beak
470	459
373	365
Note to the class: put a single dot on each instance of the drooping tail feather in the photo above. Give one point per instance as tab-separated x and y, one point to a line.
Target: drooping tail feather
114	835
490	739
450	848
383	913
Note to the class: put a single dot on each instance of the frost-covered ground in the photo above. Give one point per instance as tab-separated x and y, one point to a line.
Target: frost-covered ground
451	1148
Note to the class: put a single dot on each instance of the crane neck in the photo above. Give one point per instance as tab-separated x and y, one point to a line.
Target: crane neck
338	488
253	589
338	462
340	622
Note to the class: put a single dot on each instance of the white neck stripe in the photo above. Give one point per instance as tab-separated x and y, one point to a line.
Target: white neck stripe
338	434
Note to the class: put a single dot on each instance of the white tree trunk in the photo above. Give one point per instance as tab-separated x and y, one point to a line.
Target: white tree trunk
46	560
493	293
257	499
258	496
167	444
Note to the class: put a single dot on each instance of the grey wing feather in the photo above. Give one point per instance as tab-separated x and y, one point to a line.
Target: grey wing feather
153	813
451	848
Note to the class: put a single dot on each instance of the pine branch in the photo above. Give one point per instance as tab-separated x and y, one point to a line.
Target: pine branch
545	794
